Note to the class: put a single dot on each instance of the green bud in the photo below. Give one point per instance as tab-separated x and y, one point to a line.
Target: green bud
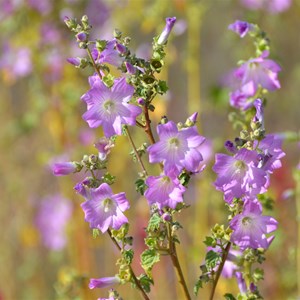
117	34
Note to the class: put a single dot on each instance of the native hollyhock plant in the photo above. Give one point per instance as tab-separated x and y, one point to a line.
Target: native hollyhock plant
164	191
250	227
109	107
104	209
239	175
177	149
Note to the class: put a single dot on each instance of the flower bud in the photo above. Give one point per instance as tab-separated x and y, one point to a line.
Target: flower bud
130	68
167	30
121	48
81	37
64	168
140	101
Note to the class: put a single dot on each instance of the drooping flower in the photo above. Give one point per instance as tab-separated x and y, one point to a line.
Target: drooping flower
250	227
239	175
241	98
167	30
241	27
164	191
109	55
109	107
52	217
261	71
104	209
177	149
103	282
63	168
271	153
104	145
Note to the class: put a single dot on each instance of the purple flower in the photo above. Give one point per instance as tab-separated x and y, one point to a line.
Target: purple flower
259	116
104	209
164	191
250	227
261	71
240	27
109	107
241	98
103	282
104	145
241	282
177	149
167	30
239	175
63	168
273	6
52	218
271	153
109	55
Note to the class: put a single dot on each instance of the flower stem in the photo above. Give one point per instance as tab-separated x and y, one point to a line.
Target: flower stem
93	62
135	151
224	257
148	129
176	264
136	281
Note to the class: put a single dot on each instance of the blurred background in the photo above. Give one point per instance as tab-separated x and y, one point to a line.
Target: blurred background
46	249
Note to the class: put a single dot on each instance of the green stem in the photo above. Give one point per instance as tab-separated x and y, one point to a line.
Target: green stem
176	264
297	199
224	257
135	151
136	281
93	62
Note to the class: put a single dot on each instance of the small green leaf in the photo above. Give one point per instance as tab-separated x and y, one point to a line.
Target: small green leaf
140	186
108	80
145	282
148	258
128	256
212	259
197	286
228	296
209	241
154	222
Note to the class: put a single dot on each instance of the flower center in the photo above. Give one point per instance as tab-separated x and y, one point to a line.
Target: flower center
247	221
107	204
109	105
240	166
174	142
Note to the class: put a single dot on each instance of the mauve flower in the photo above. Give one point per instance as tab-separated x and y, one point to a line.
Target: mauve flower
250	227
167	30
109	107
63	168
241	27
103	282
177	149
241	282
109	55
239	175
104	209
104	145
53	214
241	98
273	6
261	71
164	191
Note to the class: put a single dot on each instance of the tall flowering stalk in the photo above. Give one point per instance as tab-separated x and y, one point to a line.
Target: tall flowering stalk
124	102
243	175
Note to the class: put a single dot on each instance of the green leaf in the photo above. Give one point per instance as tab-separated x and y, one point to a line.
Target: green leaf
258	274
212	259
140	186
128	256
154	222
145	282
209	241
148	258
109	179
108	80
228	296
197	286
162	87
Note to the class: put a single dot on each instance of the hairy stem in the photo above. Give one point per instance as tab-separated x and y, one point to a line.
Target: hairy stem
176	264
136	281
135	151
148	129
93	62
224	257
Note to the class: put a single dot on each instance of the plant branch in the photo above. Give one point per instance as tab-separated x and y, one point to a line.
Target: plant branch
224	257
176	264
147	127
136	281
93	62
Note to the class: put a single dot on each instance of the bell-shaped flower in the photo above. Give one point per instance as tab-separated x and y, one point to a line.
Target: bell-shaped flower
250	227
241	27
109	107
103	209
177	149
